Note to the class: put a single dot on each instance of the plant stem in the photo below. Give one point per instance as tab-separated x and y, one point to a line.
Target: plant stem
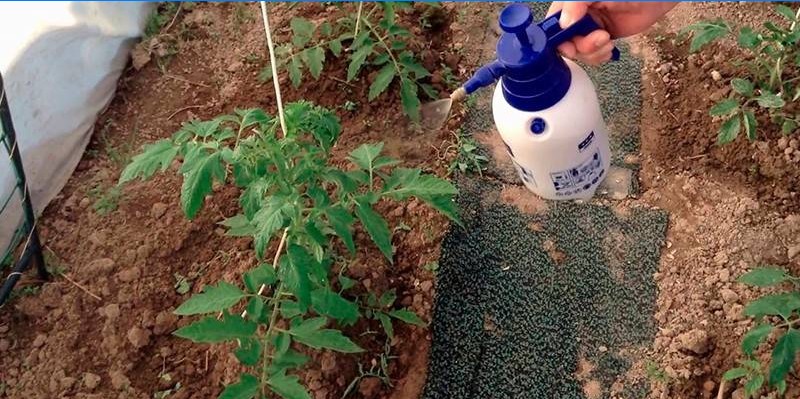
273	317
778	70
386	46
358	18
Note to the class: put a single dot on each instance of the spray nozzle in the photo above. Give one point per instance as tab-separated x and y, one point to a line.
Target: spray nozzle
527	52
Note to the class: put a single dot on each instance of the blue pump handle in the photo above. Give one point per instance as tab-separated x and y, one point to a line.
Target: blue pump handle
584	26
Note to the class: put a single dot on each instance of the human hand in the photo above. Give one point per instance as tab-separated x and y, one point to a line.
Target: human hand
617	19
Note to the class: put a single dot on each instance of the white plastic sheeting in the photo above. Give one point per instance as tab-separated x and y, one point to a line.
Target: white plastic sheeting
60	63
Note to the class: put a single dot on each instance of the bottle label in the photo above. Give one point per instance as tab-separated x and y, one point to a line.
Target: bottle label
586	142
524	174
579	178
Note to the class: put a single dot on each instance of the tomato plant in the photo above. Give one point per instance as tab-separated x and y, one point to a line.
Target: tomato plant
290	192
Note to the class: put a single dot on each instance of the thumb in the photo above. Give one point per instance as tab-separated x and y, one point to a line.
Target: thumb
572	11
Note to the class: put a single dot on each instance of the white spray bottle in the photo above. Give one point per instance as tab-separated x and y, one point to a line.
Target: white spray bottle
545	107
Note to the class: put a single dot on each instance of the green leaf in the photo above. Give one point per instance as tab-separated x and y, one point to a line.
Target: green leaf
783	356
753	385
407	316
255	309
209	330
238	226
212	299
346	283
268	220
387	298
377	229
774	305
764	277
382	81
264	274
787	12
388	12
288	386
290	309
748	38
724	107
729	130
286	359
295	274
749	120
342	223
742	86
357	60
294	71
197	181
769	100
409	182
201	128
753	338
302	30
249	352
386	323
429	91
707	32
158	155
733	374
788	126
325	29
314	58
253	116
246	388
408	96
364	156
336	47
411	65
328	303
325	339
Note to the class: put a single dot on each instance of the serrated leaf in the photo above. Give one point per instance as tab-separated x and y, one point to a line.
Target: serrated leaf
387	298
290	309
408	96
209	330
357	60
764	277
748	38
382	81
315	57
302	30
288	386
706	32
733	374
407	316
201	128
326	29
729	130
724	107
253	116
742	86
753	385
295	75
212	299
197	181
388	12
381	59
446	205
783	356
325	339
249	352
156	156
377	229
753	338
769	100
364	156
410	64
386	323
336	47
238	226
346	283
406	183
342	222
787	12
788	126
246	388
429	91
749	121
268	220
398	45
255	309
774	305
287	359
295	274
328	303
264	274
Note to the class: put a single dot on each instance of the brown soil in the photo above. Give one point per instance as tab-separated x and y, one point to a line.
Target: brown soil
65	343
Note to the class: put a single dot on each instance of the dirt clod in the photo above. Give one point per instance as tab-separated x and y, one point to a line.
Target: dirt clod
695	341
91	380
129	275
139	337
39	340
158	210
119	380
369	387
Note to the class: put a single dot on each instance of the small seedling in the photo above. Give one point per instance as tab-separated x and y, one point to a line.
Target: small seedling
468	158
769	84
293	195
432	267
378	369
349	106
450	79
105	200
776	315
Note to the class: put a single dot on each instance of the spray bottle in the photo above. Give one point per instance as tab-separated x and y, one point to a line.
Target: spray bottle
545	107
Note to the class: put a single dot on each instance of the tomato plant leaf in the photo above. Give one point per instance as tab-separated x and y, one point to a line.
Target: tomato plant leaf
325	339
249	352
246	388
786	12
253	116
314	58
783	355
764	277
238	226
769	100
754	337
753	385
742	86
748	38
197	182
342	223
386	323
302	31
733	374
336	47
364	156
788	126
212	299
706	32
255	309
724	107
774	305
357	60
328	303
285	360
295	274
729	130
407	316
406	183
210	330
382	81
294	67
408	96
158	155
264	274
377	229
346	283
288	386
749	121
387	298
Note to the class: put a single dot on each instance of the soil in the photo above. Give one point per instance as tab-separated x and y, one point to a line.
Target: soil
103	329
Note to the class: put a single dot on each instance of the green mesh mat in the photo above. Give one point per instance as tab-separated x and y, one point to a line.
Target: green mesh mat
524	299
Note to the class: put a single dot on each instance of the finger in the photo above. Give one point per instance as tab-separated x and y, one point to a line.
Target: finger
568	49
572	12
555	7
598	57
592	42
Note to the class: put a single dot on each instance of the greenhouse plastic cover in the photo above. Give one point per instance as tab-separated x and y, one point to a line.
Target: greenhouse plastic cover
60	63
